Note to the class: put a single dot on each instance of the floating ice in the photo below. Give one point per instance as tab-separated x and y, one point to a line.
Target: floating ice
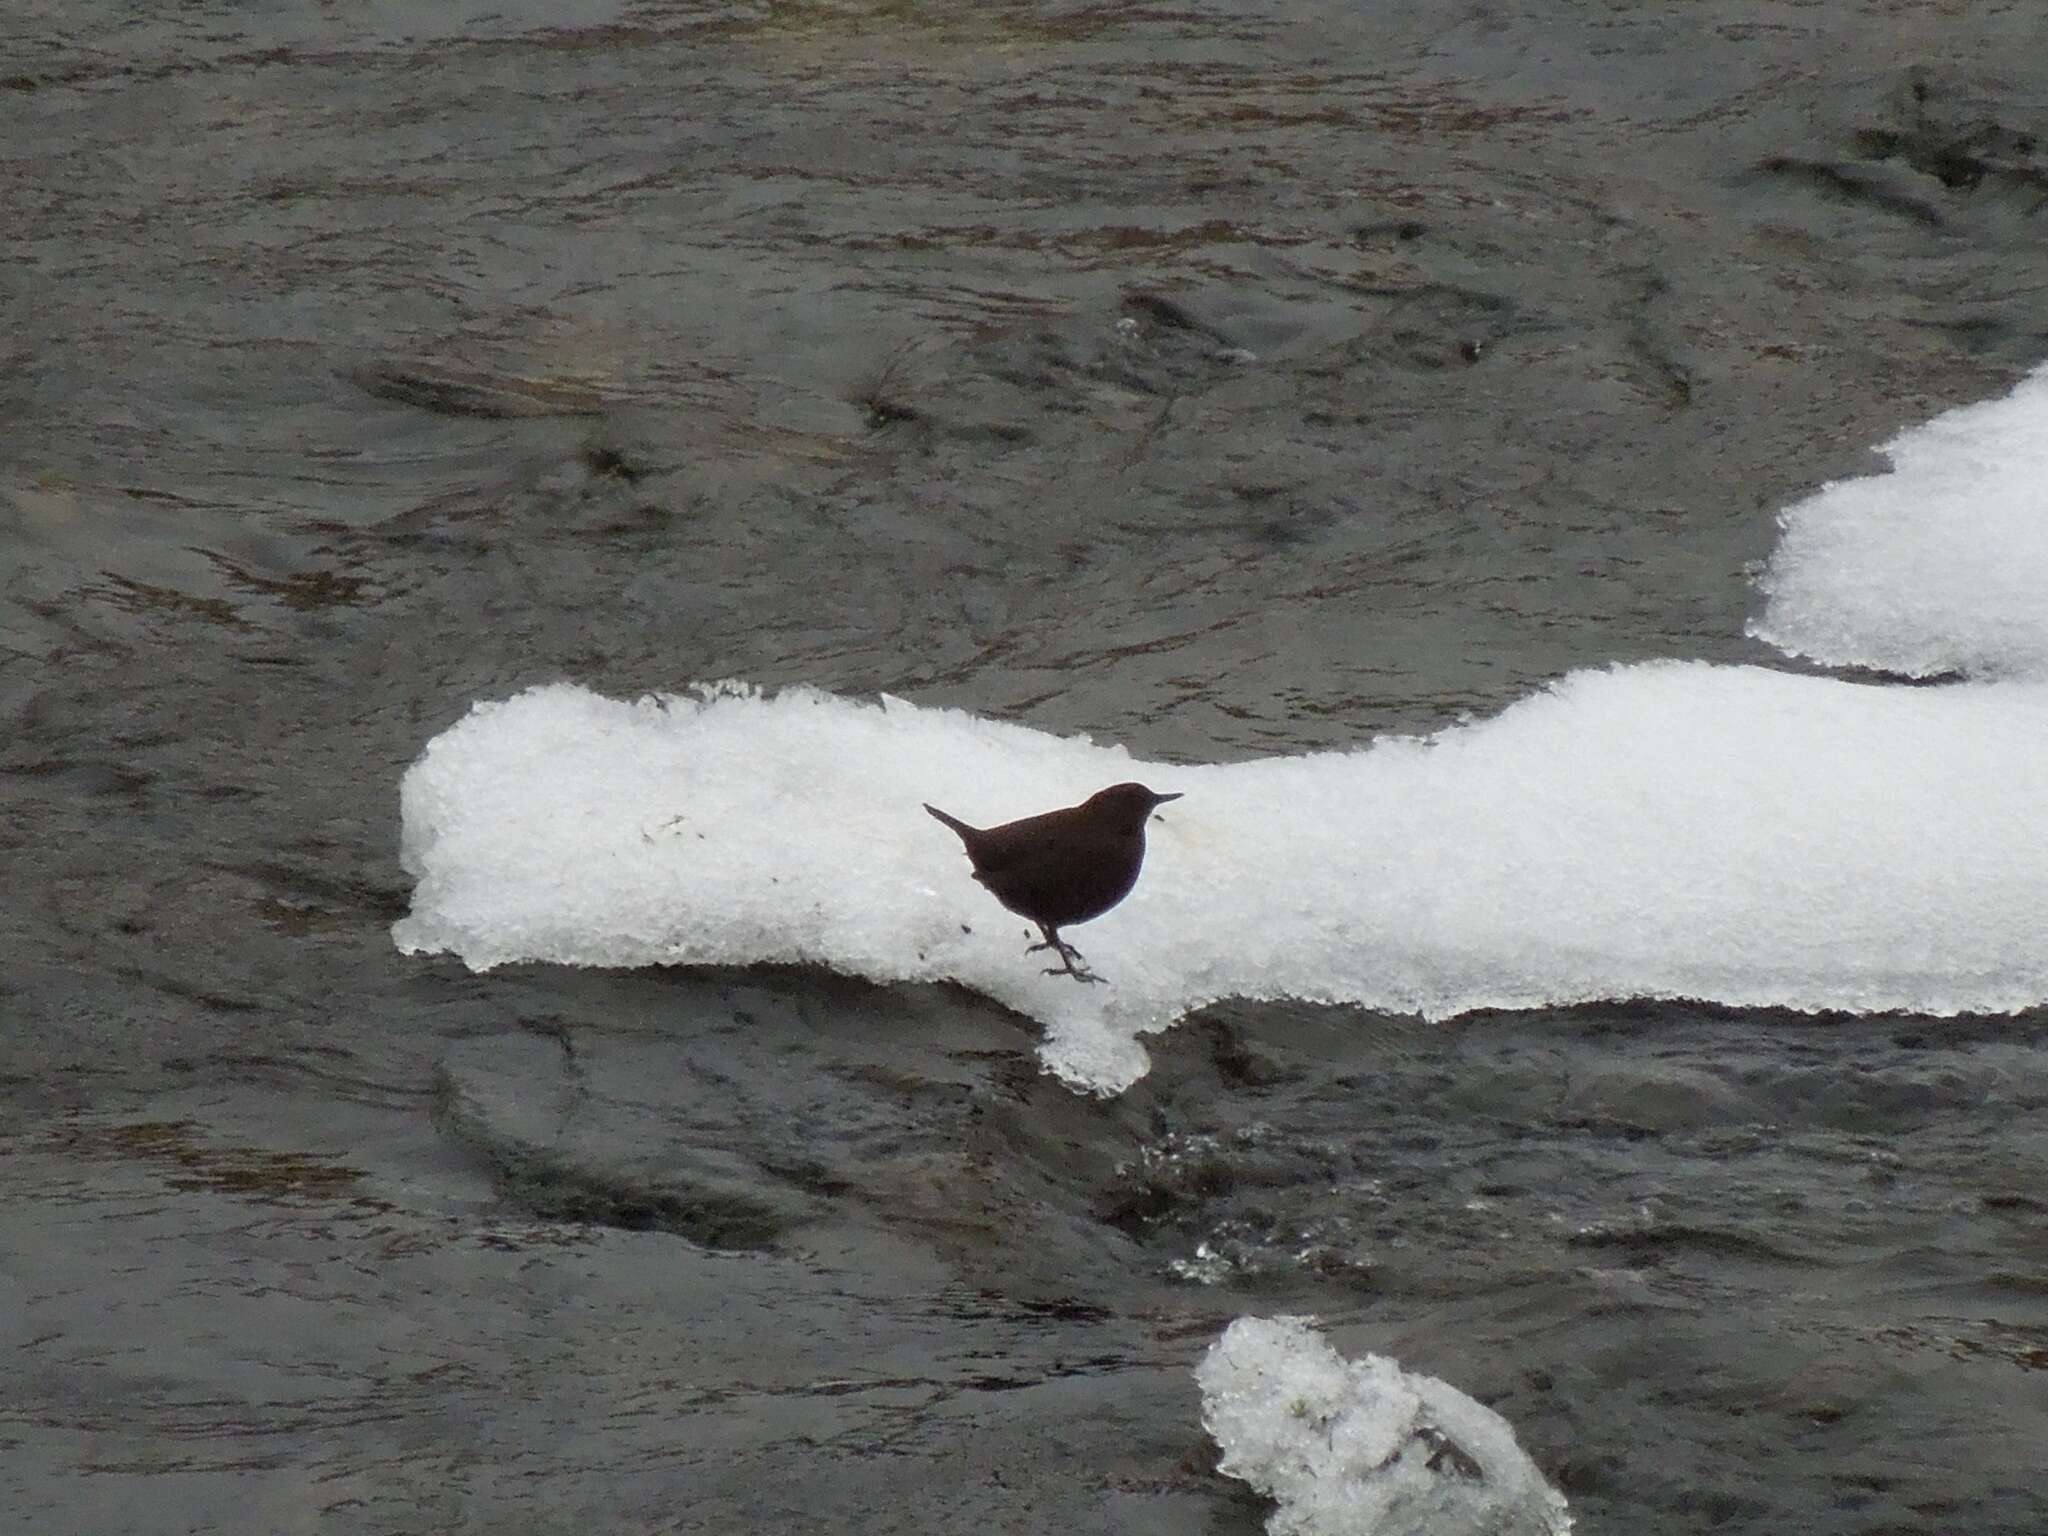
1940	566
1362	1447
1664	830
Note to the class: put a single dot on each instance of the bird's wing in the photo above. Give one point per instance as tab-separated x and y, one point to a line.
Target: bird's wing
1015	843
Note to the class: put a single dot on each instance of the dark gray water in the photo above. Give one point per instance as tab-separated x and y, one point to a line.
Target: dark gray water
1223	380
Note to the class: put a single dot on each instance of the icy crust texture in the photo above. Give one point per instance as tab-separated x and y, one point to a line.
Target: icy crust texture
1940	566
1362	1447
1663	830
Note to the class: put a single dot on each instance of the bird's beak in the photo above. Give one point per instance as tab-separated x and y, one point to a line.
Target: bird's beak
1162	799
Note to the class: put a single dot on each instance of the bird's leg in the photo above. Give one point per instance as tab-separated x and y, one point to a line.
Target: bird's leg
1052	941
1055	943
1067	953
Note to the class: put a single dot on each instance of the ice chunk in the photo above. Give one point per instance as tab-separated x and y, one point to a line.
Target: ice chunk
1362	1447
1939	566
1663	830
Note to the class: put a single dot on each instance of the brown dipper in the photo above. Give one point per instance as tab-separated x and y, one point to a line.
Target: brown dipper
1066	866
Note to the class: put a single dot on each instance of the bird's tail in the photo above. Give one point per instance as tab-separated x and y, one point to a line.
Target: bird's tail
954	822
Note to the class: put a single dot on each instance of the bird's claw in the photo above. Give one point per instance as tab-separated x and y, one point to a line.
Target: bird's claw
1068	955
1068	970
1063	949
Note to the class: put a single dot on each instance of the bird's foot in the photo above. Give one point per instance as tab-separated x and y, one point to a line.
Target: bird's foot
1062	947
1068	955
1078	975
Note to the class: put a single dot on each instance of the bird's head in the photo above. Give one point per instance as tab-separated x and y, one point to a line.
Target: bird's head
1127	806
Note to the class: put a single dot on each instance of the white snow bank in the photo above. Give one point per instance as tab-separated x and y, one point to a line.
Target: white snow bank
1664	830
1939	566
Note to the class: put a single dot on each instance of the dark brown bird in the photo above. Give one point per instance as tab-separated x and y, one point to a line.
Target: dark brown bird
1064	867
